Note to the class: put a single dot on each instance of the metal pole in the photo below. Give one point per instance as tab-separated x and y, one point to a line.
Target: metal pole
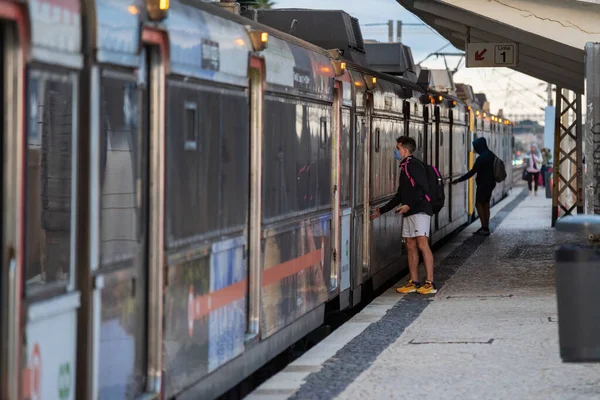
557	165
591	134
578	153
399	31
390	31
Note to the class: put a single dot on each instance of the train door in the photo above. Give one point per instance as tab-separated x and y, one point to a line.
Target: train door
257	75
335	273
451	161
367	189
358	185
121	240
154	129
127	229
11	144
426	135
4	268
345	154
436	141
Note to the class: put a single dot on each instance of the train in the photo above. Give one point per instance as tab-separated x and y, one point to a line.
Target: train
185	190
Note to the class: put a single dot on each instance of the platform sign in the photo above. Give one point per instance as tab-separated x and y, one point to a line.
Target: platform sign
492	55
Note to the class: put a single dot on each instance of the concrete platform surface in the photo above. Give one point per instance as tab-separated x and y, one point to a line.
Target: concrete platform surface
489	333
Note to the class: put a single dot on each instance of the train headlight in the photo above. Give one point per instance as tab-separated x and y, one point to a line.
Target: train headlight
371	82
339	67
259	39
157	9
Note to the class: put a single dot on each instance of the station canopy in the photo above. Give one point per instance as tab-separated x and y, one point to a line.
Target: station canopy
550	35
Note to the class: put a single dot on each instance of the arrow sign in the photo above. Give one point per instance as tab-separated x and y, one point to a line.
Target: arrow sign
479	55
492	55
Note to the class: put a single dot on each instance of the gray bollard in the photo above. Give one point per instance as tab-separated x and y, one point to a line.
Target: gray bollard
577	293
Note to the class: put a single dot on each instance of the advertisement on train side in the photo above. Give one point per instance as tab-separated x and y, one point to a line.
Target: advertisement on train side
50	370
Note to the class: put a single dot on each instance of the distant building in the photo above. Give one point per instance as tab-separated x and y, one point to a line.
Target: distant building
528	126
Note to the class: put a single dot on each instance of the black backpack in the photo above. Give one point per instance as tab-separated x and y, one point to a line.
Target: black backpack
436	188
499	170
436	195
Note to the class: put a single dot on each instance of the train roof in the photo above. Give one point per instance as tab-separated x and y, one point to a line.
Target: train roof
216	10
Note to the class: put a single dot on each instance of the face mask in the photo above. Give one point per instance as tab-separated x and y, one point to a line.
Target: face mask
397	155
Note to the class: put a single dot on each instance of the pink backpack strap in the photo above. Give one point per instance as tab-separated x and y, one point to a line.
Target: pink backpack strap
404	166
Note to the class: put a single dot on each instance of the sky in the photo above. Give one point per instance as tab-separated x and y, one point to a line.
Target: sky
506	89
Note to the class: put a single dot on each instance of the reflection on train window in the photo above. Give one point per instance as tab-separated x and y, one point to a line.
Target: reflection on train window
420	140
345	157
119	171
191	126
206	193
377	140
49	178
441	137
296	167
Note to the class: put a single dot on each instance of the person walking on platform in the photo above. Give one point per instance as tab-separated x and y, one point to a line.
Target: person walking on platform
417	210
484	168
533	168
546	157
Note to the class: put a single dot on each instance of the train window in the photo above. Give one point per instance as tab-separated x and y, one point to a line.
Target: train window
191	126
420	140
441	137
121	154
377	140
323	131
363	131
50	132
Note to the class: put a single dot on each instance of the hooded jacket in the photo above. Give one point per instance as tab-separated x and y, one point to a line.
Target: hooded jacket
484	165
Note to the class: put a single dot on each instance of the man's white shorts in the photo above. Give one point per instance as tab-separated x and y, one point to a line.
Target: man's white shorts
416	225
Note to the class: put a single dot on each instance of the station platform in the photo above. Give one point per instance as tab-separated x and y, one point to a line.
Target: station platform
490	332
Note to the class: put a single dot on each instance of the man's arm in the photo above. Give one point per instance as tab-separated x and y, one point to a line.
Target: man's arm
394	202
472	172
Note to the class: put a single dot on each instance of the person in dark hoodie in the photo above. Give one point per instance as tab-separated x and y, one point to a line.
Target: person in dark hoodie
484	168
416	208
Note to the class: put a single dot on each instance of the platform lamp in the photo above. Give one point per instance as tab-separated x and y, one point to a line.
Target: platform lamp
157	9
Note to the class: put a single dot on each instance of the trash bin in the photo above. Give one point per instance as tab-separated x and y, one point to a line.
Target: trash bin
577	294
548	181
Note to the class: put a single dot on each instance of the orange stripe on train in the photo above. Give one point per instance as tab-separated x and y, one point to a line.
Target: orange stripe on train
202	305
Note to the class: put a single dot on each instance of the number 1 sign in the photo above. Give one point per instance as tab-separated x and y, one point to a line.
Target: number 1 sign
492	55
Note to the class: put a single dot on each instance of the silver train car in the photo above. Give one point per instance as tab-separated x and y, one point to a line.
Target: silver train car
184	190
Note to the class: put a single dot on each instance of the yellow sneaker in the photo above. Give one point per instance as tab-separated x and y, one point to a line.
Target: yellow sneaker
410	287
427	288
